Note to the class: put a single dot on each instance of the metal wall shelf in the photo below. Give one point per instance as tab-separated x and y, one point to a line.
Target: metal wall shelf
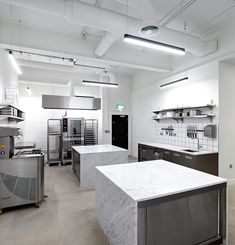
211	106
208	115
11	113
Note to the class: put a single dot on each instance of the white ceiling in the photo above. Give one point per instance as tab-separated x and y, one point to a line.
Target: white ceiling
203	17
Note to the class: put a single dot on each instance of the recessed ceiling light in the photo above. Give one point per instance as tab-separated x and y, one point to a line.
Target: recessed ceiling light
149	31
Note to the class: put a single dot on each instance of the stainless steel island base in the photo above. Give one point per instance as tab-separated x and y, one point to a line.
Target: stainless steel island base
21	181
193	217
160	203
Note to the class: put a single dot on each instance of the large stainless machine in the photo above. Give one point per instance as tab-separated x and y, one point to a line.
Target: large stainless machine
73	134
21	173
64	133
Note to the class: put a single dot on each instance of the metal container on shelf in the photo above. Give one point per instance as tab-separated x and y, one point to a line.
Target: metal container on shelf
170	114
194	112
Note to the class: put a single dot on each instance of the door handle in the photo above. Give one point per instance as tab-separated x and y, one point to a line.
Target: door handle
188	157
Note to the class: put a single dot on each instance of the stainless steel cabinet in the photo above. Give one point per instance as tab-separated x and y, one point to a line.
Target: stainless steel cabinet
177	157
166	155
147	153
192	219
207	163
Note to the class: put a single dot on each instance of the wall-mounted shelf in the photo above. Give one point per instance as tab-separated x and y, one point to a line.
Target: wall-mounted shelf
181	110
11	113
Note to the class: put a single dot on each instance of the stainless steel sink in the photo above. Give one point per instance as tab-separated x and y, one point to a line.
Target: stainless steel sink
189	150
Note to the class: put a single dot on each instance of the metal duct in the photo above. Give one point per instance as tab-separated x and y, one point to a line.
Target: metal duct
114	23
71	103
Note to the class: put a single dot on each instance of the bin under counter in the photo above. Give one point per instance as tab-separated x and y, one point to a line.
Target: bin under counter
86	158
160	203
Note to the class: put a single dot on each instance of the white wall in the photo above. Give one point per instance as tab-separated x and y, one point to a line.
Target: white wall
8	76
201	88
112	97
35	125
227	118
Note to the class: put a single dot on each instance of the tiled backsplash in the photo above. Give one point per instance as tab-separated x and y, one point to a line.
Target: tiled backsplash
179	137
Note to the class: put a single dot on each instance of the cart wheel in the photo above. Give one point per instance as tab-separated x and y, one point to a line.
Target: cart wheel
1	211
37	205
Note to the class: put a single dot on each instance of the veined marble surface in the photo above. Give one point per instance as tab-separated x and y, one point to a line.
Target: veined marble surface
154	179
98	155
177	148
116	212
86	149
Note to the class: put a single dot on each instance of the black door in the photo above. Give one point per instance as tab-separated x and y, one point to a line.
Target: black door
120	131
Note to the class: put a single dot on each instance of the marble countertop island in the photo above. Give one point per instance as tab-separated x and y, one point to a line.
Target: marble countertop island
86	158
125	192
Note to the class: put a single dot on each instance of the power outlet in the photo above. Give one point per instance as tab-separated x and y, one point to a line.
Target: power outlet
230	166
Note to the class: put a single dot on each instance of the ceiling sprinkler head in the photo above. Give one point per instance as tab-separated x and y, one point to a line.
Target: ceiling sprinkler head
84	35
149	31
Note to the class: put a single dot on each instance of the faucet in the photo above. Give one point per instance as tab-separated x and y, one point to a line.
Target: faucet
198	144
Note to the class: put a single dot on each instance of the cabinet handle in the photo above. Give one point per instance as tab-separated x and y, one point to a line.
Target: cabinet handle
188	157
176	154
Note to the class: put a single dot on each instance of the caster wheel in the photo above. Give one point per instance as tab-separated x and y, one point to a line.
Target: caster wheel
37	205
1	211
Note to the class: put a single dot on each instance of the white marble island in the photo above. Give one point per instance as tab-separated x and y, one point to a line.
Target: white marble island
160	203
86	158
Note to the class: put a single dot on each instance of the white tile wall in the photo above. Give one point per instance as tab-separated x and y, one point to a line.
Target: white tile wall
180	138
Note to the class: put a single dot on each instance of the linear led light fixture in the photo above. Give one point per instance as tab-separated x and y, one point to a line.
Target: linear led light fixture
173	82
147	43
102	84
14	63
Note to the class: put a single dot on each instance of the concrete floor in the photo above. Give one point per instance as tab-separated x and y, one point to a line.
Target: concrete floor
67	217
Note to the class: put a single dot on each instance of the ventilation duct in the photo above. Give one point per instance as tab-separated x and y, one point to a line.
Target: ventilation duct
114	24
71	103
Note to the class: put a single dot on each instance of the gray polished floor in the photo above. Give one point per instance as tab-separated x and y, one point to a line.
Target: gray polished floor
67	217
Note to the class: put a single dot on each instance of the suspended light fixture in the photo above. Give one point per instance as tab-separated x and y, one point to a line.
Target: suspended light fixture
29	91
147	43
14	63
102	84
173	82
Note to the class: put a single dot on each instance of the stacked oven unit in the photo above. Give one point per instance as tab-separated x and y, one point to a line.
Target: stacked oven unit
73	134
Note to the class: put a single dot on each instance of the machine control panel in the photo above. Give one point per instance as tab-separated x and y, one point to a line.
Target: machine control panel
2	150
2	147
65	125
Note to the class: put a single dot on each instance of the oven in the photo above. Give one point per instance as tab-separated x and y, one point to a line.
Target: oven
73	134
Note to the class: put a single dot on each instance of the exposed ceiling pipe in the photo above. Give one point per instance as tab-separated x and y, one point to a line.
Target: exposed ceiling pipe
119	24
112	22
